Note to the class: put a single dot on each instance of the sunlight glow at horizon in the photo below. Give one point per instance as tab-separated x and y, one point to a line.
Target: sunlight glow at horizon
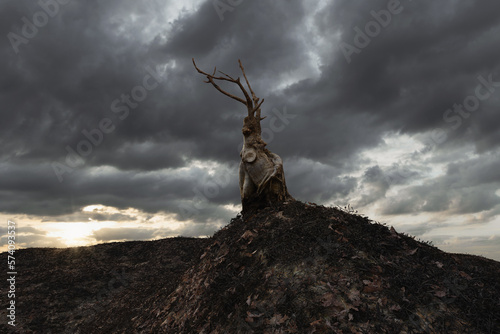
75	234
81	228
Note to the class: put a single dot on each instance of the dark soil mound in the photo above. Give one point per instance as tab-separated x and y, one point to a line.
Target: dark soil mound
299	268
304	269
97	289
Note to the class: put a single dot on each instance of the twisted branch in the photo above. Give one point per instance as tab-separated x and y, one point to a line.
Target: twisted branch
252	103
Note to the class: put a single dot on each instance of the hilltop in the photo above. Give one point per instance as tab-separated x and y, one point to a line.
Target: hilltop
296	268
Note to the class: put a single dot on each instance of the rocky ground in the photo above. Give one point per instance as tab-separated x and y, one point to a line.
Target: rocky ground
298	268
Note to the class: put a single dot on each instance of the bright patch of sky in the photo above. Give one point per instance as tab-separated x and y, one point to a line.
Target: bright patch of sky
79	229
126	20
395	148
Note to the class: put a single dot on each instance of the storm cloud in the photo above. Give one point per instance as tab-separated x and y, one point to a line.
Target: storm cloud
391	106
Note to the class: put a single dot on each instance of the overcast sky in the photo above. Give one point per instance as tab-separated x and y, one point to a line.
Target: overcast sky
108	132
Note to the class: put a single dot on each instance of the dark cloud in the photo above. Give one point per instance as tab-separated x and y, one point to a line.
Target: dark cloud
377	185
114	79
27	236
423	62
25	230
85	216
316	182
484	246
121	234
468	186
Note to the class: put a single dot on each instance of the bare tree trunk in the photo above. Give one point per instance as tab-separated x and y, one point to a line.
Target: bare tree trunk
262	178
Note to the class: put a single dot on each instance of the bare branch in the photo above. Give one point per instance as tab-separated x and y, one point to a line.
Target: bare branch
258	107
255	98
227	75
226	93
211	79
252	103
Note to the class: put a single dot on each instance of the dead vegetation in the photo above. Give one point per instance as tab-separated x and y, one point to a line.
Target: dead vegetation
296	268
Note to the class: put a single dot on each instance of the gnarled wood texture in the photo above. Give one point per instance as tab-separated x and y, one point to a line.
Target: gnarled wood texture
262	178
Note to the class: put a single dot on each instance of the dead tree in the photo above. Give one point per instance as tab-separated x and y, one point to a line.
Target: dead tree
262	179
